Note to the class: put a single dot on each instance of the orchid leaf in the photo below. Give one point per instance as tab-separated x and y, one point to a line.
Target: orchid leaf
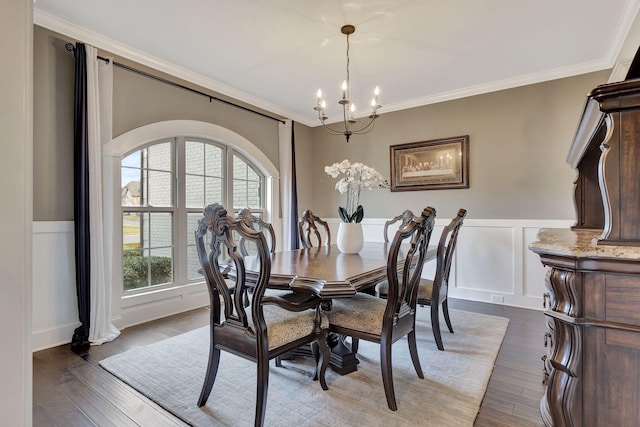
344	216
358	215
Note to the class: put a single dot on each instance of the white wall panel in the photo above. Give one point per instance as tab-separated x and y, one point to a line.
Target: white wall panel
533	268
484	260
55	306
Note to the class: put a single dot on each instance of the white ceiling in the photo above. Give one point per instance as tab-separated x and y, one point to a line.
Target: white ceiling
276	53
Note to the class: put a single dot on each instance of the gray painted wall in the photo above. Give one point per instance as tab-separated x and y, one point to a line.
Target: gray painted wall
52	127
137	101
519	140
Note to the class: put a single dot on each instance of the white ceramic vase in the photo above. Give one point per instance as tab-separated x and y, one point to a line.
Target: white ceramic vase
350	238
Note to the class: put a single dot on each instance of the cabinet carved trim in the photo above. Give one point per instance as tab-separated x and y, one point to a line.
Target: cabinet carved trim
563	285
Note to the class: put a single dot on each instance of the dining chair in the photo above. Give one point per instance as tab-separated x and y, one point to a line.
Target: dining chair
309	231
434	293
404	218
270	326
369	318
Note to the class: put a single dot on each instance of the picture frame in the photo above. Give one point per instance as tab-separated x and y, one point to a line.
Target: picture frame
437	164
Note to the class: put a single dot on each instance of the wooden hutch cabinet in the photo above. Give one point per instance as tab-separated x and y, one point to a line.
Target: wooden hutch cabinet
592	361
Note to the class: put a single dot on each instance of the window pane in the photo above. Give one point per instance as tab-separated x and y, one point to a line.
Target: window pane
132	160
195	190
160	230
239	168
213	191
130	192
252	175
161	266
159	157
253	195
132	231
159	189
194	157
214	160
134	269
204	181
142	186
239	194
247	185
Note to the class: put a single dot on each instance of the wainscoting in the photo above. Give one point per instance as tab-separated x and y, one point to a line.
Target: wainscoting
492	261
492	264
55	305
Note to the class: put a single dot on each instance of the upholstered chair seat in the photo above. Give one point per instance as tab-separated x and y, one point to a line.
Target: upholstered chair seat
362	311
424	289
285	326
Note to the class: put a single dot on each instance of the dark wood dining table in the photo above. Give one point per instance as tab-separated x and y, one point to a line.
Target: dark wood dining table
329	273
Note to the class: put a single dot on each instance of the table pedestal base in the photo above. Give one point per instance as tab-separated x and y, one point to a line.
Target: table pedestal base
342	360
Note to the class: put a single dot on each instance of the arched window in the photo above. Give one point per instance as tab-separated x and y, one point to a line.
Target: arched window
166	184
162	175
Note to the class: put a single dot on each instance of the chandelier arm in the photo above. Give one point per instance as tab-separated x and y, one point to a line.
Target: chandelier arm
365	129
331	130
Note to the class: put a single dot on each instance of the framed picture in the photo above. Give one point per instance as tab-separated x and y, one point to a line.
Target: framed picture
430	165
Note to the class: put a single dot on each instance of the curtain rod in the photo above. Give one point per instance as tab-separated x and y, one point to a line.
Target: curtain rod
71	48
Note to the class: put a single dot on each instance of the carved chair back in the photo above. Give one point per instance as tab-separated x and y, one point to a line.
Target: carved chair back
404	218
313	230
258	224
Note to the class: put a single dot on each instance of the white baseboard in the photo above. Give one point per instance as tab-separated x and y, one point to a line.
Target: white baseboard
53	337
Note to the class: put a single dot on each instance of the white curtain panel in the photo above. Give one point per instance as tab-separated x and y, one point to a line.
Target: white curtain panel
99	112
286	161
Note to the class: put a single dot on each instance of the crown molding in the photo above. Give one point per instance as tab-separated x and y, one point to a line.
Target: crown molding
115	47
66	28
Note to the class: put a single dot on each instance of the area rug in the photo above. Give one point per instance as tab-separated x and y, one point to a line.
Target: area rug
170	372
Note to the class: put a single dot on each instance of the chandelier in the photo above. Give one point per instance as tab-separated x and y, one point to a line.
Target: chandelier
348	107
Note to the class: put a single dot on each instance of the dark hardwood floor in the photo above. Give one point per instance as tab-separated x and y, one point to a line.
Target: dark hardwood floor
71	390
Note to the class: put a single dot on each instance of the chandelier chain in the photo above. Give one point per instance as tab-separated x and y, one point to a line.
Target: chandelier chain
348	82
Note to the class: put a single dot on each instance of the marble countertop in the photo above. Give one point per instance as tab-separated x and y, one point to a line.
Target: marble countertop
580	244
